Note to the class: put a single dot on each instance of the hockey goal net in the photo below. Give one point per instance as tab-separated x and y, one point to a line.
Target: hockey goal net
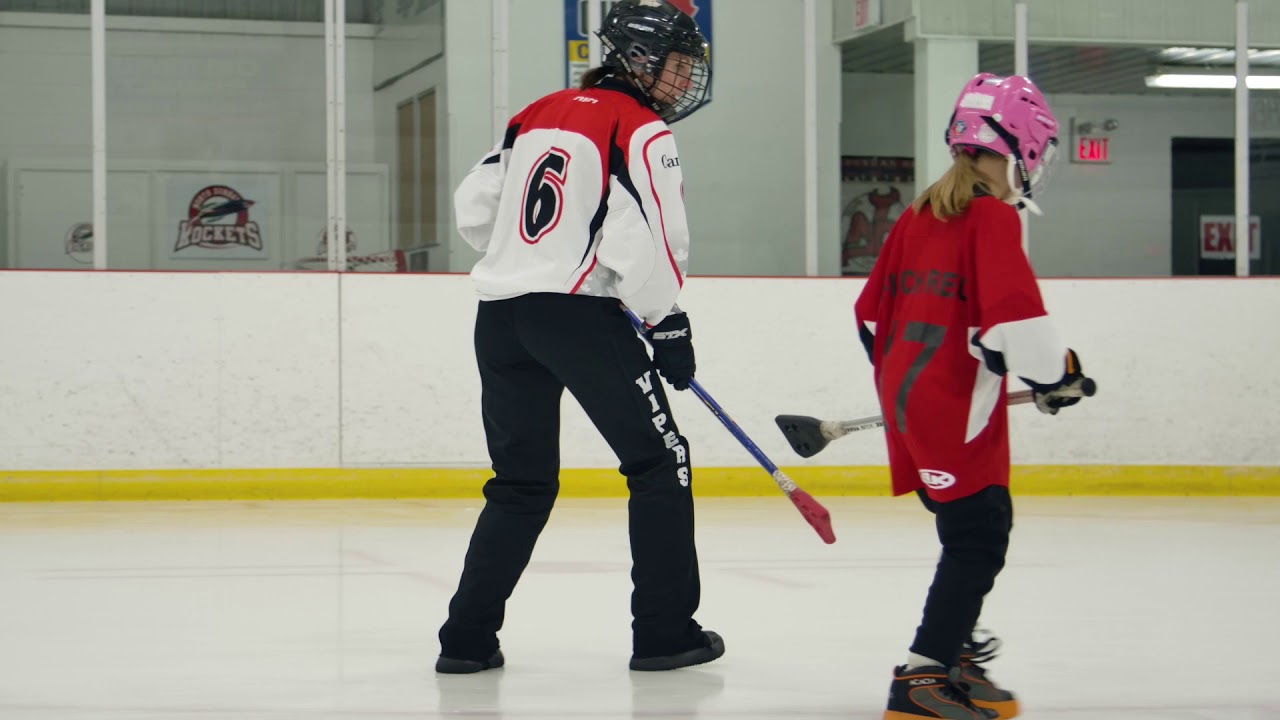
392	261
389	261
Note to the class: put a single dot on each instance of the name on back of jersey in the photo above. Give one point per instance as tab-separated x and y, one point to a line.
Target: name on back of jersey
932	282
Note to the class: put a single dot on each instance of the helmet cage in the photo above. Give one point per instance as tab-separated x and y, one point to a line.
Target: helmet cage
639	46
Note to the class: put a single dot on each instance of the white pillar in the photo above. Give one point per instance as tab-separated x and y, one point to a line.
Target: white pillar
331	137
811	137
1021	54
501	66
830	103
338	237
1242	229
1022	66
942	67
595	18
98	95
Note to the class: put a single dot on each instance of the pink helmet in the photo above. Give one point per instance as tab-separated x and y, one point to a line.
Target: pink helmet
1008	116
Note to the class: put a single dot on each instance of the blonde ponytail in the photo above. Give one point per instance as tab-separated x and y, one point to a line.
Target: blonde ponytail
953	192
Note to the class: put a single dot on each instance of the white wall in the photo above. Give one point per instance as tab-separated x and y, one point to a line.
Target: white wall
1100	220
161	370
878	111
407	38
178	89
157	370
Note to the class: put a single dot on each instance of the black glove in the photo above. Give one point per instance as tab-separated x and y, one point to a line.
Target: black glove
1066	392
672	341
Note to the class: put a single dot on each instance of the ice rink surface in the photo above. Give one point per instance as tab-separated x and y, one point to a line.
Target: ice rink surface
1109	609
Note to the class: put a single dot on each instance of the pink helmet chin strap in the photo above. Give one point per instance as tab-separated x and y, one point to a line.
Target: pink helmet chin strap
1019	187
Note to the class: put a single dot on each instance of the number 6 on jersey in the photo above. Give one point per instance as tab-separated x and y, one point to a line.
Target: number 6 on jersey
544	195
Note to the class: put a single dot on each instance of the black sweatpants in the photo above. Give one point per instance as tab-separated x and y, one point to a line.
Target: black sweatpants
529	349
974	532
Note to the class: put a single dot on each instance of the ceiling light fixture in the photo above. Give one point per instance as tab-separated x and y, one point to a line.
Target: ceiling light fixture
1187	81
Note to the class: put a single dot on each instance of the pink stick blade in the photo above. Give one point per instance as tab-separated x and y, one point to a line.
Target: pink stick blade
815	514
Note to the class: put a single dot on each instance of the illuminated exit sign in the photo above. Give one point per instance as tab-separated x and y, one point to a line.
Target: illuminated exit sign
1091	149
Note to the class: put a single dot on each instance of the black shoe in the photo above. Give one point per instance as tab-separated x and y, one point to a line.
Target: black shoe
453	666
697	656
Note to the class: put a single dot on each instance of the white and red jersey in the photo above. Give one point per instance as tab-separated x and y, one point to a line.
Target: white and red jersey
950	309
584	195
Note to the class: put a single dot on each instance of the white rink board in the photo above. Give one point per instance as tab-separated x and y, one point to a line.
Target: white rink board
193	370
167	370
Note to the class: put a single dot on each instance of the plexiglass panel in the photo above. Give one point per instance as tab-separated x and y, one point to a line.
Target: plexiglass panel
216	135
46	198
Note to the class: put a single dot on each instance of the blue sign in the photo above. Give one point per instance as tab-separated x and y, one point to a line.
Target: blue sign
577	57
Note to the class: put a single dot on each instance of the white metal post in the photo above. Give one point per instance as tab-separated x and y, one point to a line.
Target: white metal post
330	158
340	134
595	16
810	138
501	66
98	79
1021	66
1020	42
1241	233
942	67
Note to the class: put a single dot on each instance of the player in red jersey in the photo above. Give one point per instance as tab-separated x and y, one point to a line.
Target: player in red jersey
951	308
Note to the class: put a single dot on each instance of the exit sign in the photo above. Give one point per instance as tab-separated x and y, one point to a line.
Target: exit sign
1218	237
866	13
1091	149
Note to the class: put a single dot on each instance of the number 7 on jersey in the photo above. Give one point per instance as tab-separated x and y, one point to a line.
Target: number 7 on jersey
931	336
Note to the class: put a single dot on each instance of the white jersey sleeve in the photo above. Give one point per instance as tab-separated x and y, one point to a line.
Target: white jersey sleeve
477	198
645	231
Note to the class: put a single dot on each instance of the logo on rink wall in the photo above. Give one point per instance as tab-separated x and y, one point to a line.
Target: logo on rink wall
322	246
937	479
79	243
218	219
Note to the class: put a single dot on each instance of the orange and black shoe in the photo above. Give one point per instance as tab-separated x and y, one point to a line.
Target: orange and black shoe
982	691
931	692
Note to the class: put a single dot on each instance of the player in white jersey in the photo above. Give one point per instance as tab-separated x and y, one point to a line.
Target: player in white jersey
579	210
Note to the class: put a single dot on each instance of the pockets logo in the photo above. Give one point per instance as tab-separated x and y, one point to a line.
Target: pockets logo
936	479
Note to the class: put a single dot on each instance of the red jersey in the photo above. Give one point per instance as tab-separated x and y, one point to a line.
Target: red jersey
951	308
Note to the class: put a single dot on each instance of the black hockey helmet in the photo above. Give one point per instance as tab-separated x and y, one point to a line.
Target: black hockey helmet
639	35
